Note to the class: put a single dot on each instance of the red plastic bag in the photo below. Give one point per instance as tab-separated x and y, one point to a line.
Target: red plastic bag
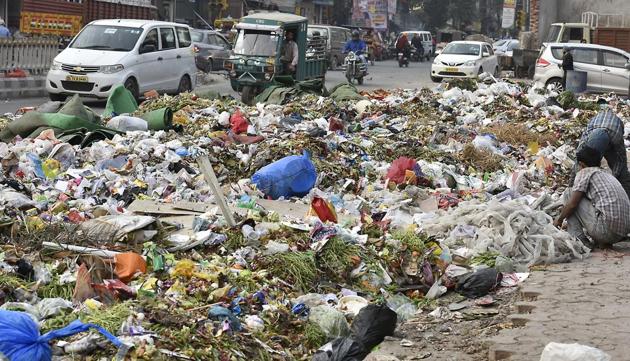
238	123
324	210
398	170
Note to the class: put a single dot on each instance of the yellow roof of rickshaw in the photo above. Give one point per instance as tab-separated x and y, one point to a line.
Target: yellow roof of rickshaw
284	18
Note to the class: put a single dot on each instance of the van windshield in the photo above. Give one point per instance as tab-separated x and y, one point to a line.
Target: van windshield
104	37
256	42
554	31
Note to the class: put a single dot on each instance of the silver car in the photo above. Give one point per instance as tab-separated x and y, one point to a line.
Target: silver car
606	67
211	49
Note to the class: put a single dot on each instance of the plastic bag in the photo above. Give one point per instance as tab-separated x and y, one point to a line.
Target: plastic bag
572	352
126	123
291	176
332	322
372	324
341	349
324	210
128	265
20	338
479	283
398	170
238	123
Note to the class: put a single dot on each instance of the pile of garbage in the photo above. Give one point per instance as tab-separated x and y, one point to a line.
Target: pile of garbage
197	227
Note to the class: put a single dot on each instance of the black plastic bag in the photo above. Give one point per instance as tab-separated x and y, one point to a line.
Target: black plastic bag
372	324
342	349
479	283
369	329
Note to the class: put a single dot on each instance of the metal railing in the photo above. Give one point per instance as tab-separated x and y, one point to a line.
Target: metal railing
34	55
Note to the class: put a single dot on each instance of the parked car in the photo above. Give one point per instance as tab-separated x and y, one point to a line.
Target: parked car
337	38
211	49
606	67
427	39
140	54
464	59
505	47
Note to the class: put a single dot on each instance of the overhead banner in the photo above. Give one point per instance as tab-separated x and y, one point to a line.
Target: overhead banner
509	14
50	24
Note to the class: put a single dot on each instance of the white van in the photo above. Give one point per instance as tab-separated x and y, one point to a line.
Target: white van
427	39
141	54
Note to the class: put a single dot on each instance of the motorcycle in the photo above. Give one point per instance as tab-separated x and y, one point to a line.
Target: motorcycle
355	68
403	60
417	54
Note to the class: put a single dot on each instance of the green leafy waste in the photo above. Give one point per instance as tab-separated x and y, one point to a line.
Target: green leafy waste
110	318
335	258
299	268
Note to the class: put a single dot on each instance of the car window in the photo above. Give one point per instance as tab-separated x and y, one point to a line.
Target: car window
168	38
513	45
586	56
488	49
151	39
614	60
183	37
222	42
197	36
556	52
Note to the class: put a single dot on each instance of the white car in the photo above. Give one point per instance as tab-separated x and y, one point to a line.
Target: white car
464	59
606	67
140	54
505	47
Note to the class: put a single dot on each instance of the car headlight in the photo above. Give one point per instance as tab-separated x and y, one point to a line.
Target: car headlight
110	69
436	61
470	63
55	65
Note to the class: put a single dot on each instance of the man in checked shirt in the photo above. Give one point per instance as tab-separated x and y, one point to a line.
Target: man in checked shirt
597	208
604	133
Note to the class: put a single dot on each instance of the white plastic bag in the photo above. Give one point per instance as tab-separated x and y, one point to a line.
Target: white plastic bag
572	352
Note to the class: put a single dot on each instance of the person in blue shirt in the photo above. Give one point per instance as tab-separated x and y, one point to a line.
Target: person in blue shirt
4	31
357	46
605	134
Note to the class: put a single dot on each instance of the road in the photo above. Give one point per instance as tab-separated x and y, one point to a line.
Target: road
383	75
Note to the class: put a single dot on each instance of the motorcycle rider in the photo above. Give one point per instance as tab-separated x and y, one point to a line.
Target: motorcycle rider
357	46
416	42
402	45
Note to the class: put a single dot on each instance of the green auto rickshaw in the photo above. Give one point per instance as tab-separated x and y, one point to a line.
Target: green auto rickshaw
258	60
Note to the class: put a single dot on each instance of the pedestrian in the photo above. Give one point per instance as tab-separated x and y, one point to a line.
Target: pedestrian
604	133
567	64
4	31
597	209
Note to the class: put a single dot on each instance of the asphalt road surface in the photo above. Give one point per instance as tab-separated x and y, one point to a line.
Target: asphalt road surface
383	75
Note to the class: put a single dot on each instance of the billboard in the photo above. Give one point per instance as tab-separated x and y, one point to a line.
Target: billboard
52	24
370	13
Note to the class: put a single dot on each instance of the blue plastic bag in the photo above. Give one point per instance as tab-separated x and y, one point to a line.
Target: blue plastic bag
292	176
20	339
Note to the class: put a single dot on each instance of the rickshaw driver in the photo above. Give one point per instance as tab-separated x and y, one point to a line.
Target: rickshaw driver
290	54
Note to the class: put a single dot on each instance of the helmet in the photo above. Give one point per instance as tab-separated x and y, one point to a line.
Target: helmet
355	34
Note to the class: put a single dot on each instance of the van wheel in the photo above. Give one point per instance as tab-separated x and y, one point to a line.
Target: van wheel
57	97
247	95
480	71
210	66
555	84
132	85
185	85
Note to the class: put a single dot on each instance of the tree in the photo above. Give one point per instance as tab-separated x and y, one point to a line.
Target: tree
435	13
463	12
